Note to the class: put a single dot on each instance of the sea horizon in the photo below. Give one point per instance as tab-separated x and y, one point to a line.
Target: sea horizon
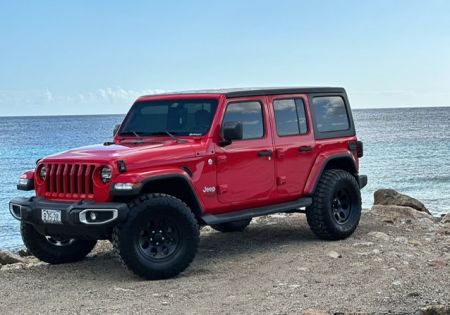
125	112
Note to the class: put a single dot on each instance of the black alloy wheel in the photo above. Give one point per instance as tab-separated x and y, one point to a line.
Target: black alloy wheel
159	239
341	206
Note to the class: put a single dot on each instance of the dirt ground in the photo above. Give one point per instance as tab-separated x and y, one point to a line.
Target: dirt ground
276	266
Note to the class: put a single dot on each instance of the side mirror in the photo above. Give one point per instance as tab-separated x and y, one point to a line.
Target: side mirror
116	128
232	130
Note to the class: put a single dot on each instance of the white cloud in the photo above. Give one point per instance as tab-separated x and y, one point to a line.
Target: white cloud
119	94
117	100
47	102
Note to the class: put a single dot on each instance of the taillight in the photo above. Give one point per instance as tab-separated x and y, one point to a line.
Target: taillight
358	147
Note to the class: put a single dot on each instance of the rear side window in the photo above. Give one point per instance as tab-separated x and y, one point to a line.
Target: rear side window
250	115
330	113
290	117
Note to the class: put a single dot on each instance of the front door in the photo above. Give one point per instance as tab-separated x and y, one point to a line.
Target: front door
245	168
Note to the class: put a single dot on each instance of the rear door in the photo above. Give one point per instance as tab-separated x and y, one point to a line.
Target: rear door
245	168
294	143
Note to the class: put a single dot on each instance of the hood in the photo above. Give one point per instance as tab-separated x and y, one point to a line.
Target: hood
131	153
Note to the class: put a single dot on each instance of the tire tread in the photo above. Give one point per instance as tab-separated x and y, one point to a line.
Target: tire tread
44	251
315	213
142	203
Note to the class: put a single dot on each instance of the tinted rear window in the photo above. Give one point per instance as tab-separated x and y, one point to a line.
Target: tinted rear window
290	118
330	113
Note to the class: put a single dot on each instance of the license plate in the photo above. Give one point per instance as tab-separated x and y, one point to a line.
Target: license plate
51	216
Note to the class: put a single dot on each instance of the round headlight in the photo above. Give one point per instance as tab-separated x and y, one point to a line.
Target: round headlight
43	172
105	174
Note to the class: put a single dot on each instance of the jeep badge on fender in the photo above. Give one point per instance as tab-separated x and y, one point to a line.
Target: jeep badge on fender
183	160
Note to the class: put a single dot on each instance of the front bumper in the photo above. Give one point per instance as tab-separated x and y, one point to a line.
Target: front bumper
76	219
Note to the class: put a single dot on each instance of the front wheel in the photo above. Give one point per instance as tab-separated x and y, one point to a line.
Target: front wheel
336	208
54	250
159	239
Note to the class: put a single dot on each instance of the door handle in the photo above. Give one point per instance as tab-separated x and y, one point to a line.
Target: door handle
305	148
265	153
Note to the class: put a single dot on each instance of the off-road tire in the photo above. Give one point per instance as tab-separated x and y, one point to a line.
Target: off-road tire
323	215
235	226
131	239
42	248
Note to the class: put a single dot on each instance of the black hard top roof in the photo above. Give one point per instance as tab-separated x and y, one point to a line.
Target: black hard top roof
242	92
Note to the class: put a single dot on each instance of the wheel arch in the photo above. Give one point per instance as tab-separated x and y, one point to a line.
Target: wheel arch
341	161
175	185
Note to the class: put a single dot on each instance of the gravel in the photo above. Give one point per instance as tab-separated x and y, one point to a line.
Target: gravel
276	266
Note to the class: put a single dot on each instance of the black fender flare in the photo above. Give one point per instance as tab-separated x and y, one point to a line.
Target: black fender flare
189	192
310	186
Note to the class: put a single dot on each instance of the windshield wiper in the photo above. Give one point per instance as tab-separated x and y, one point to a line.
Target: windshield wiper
137	134
165	132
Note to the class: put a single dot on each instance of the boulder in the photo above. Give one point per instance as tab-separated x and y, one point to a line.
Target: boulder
390	197
446	219
400	214
7	258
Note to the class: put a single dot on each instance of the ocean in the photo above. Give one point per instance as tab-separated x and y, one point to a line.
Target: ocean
406	149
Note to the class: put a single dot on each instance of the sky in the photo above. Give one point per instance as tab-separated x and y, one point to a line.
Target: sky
97	57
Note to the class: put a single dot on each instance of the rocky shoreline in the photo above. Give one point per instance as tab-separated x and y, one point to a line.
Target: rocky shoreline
397	262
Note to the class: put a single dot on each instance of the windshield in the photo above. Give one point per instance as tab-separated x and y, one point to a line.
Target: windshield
191	117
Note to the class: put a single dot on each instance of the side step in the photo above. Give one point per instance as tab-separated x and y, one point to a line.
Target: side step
211	219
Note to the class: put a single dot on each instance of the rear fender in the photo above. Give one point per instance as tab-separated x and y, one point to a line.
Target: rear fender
344	159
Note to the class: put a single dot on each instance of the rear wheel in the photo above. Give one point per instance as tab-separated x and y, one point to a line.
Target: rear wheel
159	239
54	250
235	226
336	208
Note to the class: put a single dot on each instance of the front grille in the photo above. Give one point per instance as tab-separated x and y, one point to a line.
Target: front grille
67	180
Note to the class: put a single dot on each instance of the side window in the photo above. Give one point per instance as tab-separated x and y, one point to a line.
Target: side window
250	115
290	117
330	113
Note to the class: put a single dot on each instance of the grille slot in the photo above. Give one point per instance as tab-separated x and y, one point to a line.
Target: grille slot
70	180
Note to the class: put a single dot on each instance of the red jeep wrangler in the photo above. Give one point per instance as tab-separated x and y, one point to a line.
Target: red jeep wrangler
183	160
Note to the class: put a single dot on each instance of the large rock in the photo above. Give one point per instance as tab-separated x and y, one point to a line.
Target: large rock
399	214
7	258
446	219
390	197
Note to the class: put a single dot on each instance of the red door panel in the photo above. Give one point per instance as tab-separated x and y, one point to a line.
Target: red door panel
242	175
294	143
245	168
